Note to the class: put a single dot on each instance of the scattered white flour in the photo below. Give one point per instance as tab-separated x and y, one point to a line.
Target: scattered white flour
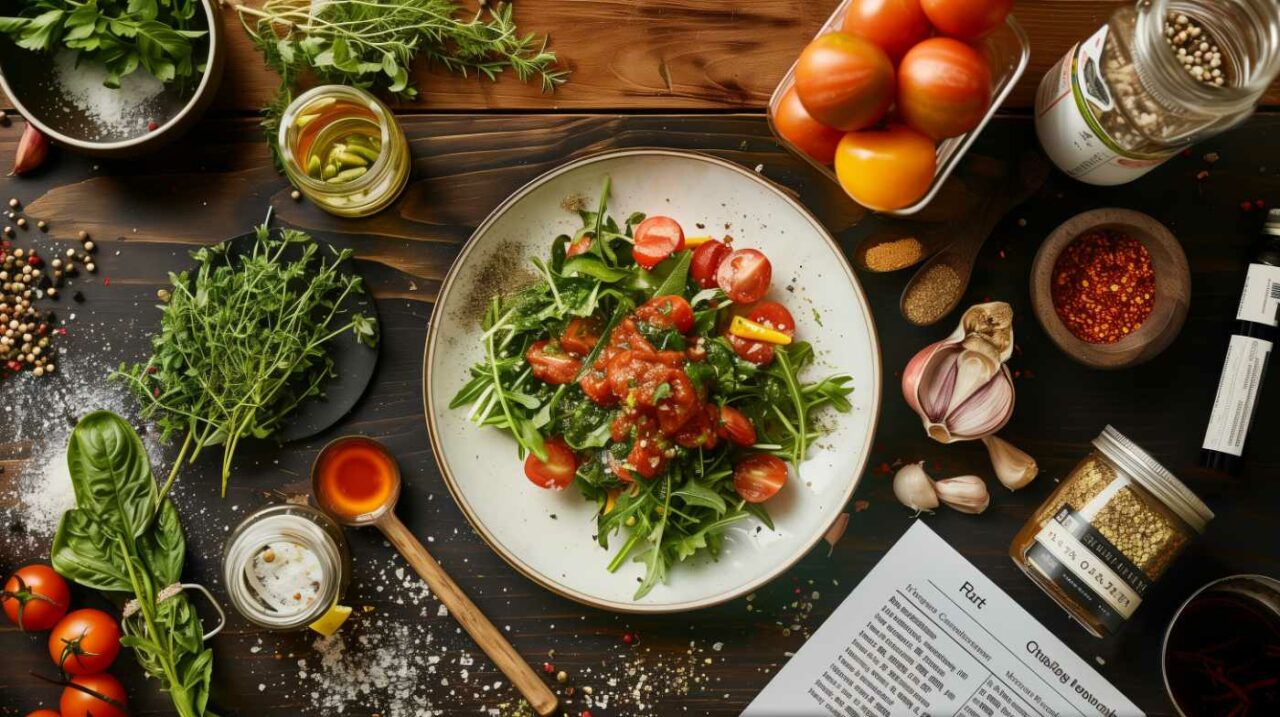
122	112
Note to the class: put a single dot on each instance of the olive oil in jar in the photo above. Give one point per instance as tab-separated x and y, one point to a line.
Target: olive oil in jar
344	150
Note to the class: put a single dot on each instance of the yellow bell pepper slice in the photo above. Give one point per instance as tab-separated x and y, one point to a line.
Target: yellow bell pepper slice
748	329
695	242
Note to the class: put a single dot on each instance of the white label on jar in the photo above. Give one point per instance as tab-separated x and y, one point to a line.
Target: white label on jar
1261	296
1078	147
1062	535
1237	394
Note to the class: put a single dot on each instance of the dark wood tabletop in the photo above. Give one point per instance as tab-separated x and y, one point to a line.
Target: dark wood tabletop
400	655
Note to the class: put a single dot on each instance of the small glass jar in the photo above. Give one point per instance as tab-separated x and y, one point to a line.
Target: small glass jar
285	566
318	122
1158	77
1108	532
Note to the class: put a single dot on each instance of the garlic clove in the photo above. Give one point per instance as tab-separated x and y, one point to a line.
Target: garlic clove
1013	467
985	412
914	488
967	494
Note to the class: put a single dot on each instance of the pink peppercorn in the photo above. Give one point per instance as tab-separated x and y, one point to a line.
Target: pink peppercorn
628	638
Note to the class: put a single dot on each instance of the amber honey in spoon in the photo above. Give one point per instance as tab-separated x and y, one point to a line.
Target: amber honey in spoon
357	482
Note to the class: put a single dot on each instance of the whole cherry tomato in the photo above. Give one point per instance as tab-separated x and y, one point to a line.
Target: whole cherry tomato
557	471
798	127
966	19
706	260
656	238
35	597
81	703
85	642
944	88
745	275
886	169
759	477
844	81
893	25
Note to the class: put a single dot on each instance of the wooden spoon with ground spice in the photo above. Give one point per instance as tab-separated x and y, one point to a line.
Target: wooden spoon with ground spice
937	287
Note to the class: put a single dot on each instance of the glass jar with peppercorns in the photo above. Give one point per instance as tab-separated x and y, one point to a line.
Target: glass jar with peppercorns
1108	532
1158	77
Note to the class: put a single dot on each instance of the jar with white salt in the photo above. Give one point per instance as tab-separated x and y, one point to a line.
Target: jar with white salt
286	566
1160	76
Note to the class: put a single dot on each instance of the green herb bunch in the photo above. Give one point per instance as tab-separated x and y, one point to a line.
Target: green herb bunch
123	35
124	537
243	340
372	44
683	511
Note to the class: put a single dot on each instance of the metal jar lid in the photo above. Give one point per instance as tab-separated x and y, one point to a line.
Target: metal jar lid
1157	479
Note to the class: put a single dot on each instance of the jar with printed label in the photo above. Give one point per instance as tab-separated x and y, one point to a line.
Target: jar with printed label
1108	533
1158	77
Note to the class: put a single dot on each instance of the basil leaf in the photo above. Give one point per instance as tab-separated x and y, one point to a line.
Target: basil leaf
163	548
83	553
111	474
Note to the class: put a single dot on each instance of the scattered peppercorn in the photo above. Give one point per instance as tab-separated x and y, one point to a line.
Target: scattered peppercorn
1103	286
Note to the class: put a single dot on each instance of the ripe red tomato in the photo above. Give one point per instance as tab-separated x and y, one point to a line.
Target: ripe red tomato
667	312
759	476
810	136
551	363
699	431
78	703
745	275
35	597
886	169
581	246
893	25
680	403
844	81
580	335
656	238
757	352
966	19
636	375
557	471
944	88
43	713
773	315
595	383
706	260
84	642
735	426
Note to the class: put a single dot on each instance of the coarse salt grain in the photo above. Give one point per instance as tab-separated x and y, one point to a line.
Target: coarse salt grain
115	113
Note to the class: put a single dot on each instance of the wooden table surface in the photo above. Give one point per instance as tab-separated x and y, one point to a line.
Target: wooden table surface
400	656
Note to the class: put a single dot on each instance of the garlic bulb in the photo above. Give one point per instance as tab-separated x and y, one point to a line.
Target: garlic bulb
967	494
914	488
1014	468
959	386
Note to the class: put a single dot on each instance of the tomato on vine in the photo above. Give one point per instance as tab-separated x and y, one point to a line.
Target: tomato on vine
85	642
35	597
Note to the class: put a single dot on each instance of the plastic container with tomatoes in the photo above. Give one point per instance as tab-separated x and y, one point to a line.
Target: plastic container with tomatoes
897	27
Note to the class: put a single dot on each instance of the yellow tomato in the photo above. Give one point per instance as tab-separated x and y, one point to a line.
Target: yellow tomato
886	169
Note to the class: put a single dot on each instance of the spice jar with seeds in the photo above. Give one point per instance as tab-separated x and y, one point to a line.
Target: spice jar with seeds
286	566
1158	77
1108	533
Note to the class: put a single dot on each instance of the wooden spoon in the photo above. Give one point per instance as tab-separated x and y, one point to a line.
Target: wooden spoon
499	650
950	269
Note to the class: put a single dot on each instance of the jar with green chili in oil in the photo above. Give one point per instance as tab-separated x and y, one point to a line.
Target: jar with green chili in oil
344	150
1108	532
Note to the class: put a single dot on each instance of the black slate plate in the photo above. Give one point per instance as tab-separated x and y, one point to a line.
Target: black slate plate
353	362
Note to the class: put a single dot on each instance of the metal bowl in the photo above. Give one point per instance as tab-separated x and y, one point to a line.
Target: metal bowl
30	81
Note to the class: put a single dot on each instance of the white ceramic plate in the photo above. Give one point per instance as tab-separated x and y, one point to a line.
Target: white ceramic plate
549	536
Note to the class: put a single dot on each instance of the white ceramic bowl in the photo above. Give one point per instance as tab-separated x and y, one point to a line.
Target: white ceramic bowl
549	536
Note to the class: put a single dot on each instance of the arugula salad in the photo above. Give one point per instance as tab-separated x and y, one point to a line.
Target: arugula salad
650	370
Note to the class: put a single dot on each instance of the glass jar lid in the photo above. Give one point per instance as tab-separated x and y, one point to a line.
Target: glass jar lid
1157	479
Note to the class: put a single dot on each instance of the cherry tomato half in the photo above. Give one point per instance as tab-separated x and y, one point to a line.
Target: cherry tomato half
557	471
893	25
551	363
667	312
757	352
745	275
966	19
759	477
735	426
656	238
35	597
706	260
78	703
844	81
944	88
886	169
809	135
774	316
580	335
580	246
84	642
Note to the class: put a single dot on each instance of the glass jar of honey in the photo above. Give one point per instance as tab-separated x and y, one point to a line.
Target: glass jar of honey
1108	532
344	150
286	566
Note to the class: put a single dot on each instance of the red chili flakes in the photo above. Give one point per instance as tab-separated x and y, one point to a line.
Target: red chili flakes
628	638
152	126
548	668
106	281
1103	286
861	505
883	469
